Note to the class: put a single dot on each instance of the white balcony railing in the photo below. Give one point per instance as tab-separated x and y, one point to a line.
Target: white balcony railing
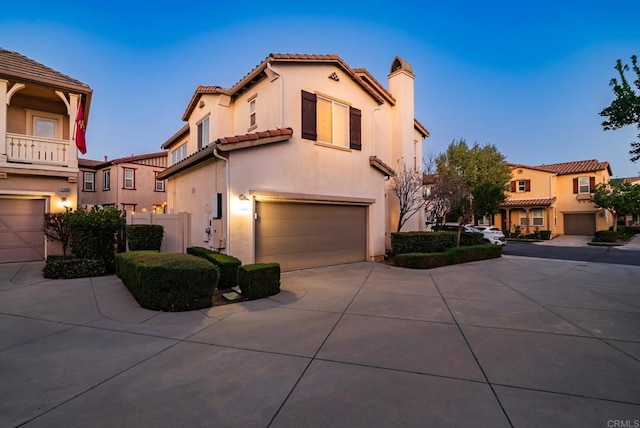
37	150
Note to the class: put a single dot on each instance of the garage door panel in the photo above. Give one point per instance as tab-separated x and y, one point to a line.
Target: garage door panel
21	236
299	235
579	224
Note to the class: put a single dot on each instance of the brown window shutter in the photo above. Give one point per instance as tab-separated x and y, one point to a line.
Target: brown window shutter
575	185
513	187
527	185
355	129
592	184
309	128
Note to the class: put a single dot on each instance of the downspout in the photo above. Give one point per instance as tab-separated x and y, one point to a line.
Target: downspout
273	77
227	198
373	130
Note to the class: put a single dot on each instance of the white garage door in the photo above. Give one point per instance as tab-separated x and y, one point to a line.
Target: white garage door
580	224
302	235
21	236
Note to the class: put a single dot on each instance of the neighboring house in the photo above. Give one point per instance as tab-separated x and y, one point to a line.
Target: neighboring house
629	219
555	197
127	183
293	163
38	155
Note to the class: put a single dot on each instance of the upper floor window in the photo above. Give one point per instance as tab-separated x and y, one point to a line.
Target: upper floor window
89	181
330	121
583	185
159	185
252	112
520	186
333	122
129	178
106	179
203	133
178	154
44	124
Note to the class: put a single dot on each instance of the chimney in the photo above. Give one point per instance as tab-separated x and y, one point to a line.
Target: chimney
105	158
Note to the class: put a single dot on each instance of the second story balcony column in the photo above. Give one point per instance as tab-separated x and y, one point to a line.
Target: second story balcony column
3	119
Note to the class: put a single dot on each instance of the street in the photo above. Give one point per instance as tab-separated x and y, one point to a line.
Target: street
588	254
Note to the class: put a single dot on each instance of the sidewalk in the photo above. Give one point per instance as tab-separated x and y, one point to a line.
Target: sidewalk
508	342
582	241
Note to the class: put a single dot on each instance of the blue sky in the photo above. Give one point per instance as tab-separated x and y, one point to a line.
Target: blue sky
531	80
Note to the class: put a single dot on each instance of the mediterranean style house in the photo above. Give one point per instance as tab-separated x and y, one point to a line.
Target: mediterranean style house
38	156
555	197
293	163
127	183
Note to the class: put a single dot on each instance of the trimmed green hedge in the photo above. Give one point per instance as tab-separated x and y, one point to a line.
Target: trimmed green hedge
607	236
144	236
451	256
228	265
259	280
168	282
60	267
431	242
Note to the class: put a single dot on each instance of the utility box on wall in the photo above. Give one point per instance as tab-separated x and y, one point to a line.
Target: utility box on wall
216	205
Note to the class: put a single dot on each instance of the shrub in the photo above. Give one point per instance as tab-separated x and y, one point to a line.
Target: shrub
431	242
606	236
55	228
144	237
168	282
60	267
93	234
451	256
228	265
259	280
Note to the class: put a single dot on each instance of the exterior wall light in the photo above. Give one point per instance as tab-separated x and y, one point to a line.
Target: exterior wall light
244	204
64	203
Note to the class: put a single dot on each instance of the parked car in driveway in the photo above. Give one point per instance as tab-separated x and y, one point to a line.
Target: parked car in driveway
492	234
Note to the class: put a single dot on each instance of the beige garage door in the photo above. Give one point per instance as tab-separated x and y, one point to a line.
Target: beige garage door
21	236
579	224
300	235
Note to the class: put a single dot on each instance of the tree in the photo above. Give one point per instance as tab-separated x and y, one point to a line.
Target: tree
619	200
407	185
473	172
56	228
625	109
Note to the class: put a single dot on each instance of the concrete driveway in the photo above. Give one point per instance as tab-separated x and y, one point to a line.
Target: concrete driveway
514	341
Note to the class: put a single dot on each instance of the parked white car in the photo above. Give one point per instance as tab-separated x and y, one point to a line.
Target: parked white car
492	234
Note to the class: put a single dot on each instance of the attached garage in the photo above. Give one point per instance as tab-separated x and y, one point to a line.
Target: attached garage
306	235
21	236
580	224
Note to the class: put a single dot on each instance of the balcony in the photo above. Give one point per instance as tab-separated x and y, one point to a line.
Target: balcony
28	149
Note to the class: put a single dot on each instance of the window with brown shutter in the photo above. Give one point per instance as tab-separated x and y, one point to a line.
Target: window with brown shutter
592	184
355	125
513	187
309	129
575	185
527	185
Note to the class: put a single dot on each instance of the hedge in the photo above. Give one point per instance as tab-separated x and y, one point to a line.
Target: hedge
60	267
228	265
259	280
607	236
431	242
144	236
451	256
168	282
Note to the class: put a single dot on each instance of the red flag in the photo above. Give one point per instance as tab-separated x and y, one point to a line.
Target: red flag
80	129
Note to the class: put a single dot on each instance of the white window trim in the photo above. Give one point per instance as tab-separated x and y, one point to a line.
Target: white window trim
133	178
253	116
86	174
179	154
522	188
333	115
534	217
588	185
206	138
106	173
32	114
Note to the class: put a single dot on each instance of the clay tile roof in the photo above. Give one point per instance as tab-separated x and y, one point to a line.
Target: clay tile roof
256	135
134	158
516	203
577	167
16	66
